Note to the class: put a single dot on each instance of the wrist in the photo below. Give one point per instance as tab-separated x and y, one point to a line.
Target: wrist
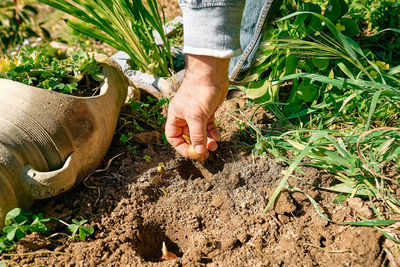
207	71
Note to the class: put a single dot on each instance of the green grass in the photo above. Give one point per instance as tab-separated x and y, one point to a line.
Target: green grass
338	105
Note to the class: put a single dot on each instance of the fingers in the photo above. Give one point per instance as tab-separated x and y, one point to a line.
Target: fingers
174	128
186	150
212	129
198	133
174	131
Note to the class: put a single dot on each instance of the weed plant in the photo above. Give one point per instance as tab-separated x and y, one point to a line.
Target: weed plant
19	223
126	26
337	103
140	116
76	73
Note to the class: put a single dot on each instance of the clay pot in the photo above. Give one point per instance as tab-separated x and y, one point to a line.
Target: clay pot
50	141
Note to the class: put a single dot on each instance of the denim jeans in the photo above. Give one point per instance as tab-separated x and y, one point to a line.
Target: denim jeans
212	27
225	29
254	16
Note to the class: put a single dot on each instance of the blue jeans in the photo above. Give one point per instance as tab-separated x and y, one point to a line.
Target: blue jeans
254	17
225	29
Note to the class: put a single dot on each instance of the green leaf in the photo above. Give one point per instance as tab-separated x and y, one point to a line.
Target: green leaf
340	199
385	30
91	32
320	63
292	61
315	23
98	77
258	90
394	70
349	45
388	236
11	234
85	231
349	189
11	215
333	10
342	82
345	70
77	222
73	228
21	232
307	91
351	27
372	109
8	229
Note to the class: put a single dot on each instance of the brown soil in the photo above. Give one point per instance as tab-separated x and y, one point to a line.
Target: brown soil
207	214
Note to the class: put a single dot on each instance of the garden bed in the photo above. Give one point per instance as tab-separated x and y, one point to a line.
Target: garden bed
208	213
321	94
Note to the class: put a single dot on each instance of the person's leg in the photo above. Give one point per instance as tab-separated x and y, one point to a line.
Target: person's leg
255	15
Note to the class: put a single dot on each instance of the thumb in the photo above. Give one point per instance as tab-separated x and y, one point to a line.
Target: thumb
198	135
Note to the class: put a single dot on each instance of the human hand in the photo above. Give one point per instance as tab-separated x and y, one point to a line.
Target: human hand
192	110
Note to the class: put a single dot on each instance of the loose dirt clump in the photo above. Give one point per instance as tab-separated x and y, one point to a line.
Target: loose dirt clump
207	214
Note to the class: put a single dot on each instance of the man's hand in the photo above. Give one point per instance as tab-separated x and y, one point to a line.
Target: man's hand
191	112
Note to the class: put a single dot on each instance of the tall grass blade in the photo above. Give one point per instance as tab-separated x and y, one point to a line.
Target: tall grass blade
371	223
372	109
289	172
313	202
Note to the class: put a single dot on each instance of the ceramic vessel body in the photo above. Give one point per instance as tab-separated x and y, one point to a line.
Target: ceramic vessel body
50	141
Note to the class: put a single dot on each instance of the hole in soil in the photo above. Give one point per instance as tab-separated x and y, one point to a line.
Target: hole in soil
150	243
187	170
205	260
321	241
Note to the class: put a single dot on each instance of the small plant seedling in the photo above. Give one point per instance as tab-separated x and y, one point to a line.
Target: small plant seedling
147	158
166	255
161	169
148	113
79	227
19	223
16	225
125	139
38	224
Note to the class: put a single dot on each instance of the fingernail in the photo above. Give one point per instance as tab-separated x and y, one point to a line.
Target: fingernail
212	145
199	149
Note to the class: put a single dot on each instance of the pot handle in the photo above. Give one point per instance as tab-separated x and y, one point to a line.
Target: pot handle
48	184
